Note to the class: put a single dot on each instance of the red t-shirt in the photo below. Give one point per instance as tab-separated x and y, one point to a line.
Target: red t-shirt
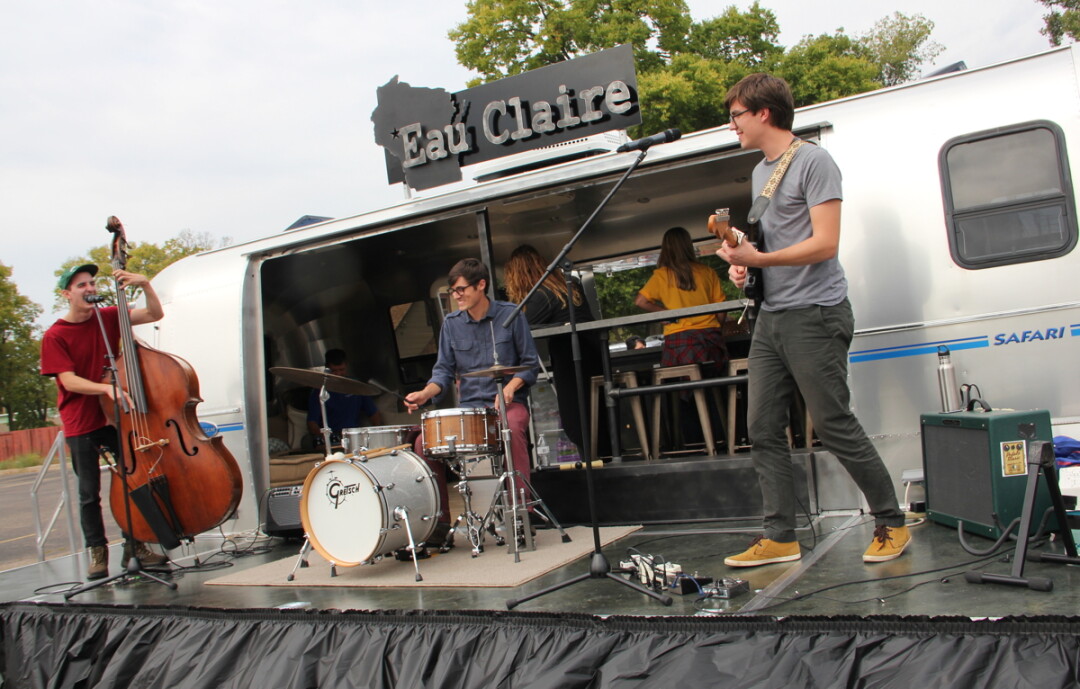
79	348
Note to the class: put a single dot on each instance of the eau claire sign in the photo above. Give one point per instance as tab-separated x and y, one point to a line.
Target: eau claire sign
429	134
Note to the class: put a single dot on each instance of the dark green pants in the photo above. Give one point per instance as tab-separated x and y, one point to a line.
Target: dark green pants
807	349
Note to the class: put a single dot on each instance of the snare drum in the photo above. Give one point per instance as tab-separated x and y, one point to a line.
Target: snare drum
347	506
460	431
357	440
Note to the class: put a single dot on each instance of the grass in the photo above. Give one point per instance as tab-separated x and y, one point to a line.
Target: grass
21	461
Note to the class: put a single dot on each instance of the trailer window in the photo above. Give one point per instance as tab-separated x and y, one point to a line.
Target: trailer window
414	335
1008	196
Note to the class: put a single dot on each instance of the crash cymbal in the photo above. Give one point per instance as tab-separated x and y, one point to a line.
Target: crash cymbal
316	379
495	372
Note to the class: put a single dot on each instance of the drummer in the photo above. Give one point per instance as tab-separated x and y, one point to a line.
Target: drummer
344	411
469	341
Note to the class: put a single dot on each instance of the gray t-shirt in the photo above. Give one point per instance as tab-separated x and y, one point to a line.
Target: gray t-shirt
811	179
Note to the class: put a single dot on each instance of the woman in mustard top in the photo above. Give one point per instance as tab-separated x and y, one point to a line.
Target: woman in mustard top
679	281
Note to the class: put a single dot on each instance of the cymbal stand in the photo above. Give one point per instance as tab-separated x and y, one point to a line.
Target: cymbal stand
324	395
509	496
301	560
495	511
401	513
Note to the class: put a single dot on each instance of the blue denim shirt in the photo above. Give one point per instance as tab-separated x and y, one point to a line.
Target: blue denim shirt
466	345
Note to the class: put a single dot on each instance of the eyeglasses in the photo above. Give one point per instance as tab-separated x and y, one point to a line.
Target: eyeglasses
460	291
732	117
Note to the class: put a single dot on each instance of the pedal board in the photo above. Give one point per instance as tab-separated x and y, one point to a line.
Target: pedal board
691	585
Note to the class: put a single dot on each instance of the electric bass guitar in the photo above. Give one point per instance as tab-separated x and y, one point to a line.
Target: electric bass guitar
754	287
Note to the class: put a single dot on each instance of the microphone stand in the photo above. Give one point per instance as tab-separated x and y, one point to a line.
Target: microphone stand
324	396
132	567
599	567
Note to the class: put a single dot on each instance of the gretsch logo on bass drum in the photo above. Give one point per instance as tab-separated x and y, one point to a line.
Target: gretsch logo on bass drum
337	490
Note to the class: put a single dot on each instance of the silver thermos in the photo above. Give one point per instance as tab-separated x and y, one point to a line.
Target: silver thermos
947	387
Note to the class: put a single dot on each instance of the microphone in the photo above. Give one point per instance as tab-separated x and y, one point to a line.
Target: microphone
95	298
666	136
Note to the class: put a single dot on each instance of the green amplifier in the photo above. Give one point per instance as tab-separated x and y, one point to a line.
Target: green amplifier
975	467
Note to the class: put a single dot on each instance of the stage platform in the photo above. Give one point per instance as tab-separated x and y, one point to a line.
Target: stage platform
827	620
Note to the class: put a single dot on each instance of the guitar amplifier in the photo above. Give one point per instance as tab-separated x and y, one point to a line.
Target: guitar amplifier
975	467
283	511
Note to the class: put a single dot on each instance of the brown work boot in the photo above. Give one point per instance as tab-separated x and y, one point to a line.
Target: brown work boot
99	562
147	557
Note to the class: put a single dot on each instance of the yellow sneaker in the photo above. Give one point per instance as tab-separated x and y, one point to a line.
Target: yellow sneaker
762	551
888	544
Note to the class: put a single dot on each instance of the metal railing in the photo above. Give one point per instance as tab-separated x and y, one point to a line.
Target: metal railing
58	449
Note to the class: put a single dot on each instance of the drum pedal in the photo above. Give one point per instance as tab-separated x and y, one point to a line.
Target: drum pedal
403	554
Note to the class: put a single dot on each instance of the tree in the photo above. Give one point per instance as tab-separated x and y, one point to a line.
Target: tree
687	95
685	67
1063	23
25	395
503	38
747	38
826	67
688	91
899	45
144	258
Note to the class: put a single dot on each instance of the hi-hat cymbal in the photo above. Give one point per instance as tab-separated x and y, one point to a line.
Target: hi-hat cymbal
495	372
317	379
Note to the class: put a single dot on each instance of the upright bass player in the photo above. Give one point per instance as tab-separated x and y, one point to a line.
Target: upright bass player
73	351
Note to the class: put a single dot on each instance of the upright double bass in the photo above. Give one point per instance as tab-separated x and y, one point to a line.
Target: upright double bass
181	482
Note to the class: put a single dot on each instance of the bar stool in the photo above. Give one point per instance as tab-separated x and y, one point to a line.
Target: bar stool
626	379
693	372
735	367
740	366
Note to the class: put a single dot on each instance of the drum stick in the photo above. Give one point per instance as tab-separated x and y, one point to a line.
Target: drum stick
596	463
372	381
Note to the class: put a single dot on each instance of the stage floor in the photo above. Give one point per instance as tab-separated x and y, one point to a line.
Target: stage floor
830	580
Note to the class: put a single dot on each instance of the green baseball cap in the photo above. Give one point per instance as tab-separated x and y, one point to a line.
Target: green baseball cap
65	279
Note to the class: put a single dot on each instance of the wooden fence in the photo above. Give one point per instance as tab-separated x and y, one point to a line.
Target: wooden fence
36	441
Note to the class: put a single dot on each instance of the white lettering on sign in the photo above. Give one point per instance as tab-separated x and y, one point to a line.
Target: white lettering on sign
450	140
510	120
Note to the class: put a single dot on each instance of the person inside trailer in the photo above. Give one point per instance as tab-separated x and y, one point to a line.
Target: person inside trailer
342	410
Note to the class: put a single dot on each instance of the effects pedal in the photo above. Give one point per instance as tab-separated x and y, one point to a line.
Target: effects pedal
687	585
729	588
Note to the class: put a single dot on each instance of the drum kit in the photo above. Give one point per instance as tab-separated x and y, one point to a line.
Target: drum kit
376	498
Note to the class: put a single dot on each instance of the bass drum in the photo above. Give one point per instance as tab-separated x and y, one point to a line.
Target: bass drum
347	507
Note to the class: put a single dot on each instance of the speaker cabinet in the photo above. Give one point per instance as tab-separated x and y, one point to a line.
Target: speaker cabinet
283	511
975	464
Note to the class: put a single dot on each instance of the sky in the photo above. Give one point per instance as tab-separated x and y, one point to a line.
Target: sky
236	118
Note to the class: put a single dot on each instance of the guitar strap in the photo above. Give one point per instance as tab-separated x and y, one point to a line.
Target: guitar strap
754	287
761	203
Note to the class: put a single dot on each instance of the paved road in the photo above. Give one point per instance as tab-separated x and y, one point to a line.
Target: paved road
17	533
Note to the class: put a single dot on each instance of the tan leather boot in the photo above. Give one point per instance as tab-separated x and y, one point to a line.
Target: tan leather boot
147	557
99	562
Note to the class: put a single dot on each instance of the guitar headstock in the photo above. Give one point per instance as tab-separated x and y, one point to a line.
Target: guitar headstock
119	243
720	226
